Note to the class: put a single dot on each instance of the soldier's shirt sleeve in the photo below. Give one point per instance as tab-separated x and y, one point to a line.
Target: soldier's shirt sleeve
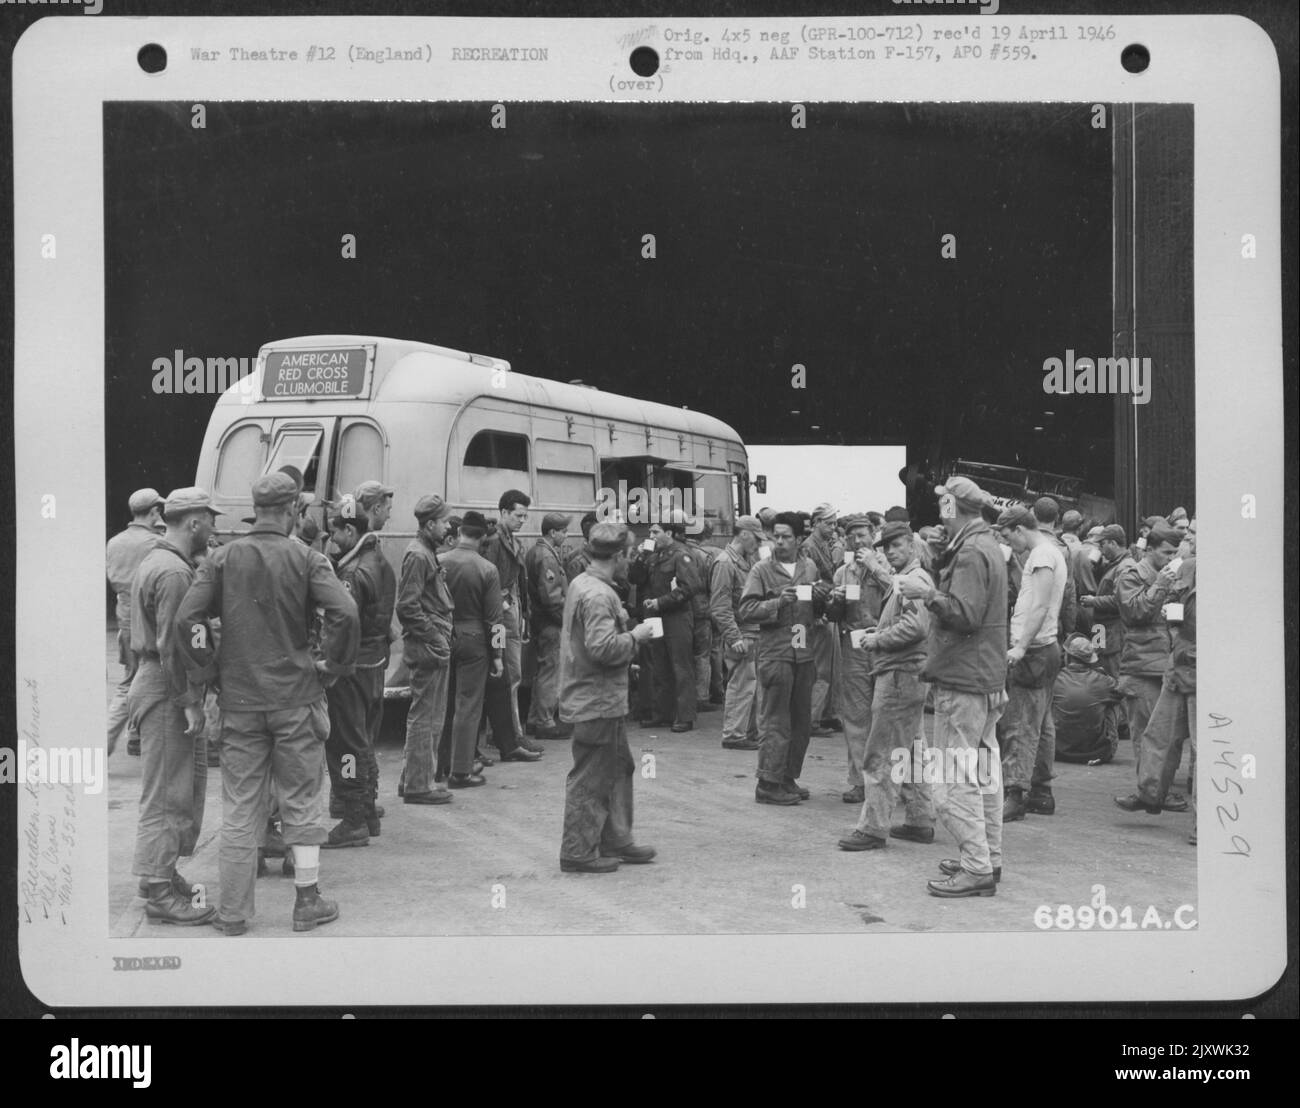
754	605
1139	603
553	588
1105	604
169	591
720	602
201	602
605	643
961	608
686	569
493	610
340	624
414	619
519	573
911	626
364	590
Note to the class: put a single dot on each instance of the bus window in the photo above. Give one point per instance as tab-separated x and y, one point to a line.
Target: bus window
298	447
713	499
494	461
361	456
554	487
565	473
240	463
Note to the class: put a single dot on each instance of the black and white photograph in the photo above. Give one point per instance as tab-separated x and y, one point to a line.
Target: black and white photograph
507	372
677	513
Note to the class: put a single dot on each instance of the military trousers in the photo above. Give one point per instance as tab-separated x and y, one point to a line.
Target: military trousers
598	791
968	795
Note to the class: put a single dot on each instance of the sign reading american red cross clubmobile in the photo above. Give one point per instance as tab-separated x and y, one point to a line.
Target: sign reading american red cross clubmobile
321	374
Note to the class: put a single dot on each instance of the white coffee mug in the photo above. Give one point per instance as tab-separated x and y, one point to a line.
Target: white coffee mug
803	592
1173	613
852	592
857	638
648	545
656	625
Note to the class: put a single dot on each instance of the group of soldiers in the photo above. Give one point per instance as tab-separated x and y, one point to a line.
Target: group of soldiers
859	624
799	625
289	648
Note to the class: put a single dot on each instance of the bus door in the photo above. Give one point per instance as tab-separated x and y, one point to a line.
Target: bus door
306	444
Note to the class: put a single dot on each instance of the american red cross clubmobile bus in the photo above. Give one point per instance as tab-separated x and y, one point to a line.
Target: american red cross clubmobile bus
344	409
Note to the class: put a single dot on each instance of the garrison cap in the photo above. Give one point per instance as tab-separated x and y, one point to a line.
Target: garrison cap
894	529
553	520
962	489
430	507
142	500
1018	516
274	489
183	501
1080	646
1115	533
370	493
607	540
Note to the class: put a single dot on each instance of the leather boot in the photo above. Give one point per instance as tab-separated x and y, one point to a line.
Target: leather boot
165	906
312	909
1040	802
1013	807
351	830
963	884
182	887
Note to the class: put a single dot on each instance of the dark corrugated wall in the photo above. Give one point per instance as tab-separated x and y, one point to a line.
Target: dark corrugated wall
1155	443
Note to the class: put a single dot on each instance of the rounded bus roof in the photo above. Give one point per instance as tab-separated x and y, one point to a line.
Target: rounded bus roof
418	372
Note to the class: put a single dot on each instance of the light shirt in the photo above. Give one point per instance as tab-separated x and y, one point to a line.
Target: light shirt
788	568
1045	555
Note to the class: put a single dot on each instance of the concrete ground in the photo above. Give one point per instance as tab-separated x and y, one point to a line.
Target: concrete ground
725	864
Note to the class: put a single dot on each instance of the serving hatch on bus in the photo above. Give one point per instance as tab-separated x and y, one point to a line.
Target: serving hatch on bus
326	373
